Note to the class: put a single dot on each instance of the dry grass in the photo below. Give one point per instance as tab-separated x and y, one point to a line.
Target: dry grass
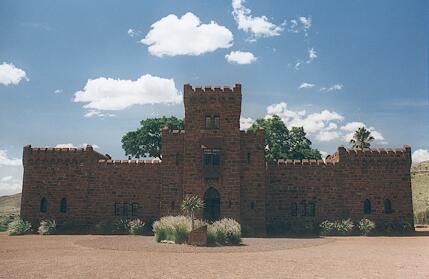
34	256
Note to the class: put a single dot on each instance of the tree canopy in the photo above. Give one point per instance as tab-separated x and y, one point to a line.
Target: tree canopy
146	140
361	138
282	143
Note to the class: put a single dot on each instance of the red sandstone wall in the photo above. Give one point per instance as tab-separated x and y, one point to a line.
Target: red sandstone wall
340	186
253	181
226	102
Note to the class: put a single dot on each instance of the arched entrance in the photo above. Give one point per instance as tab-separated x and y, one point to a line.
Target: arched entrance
212	205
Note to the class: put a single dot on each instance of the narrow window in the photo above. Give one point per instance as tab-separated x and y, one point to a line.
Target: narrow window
367	207
312	209
208	122
135	209
294	209
63	205
252	205
173	205
207	157
117	209
177	159
248	157
387	206
44	205
303	209
216	157
216	122
125	209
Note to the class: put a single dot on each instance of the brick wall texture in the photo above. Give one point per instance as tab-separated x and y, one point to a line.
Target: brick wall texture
95	190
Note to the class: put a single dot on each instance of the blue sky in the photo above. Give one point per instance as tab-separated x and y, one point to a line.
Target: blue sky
329	66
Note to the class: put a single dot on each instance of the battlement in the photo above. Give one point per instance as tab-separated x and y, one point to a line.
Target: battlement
130	162
199	90
167	131
343	154
288	163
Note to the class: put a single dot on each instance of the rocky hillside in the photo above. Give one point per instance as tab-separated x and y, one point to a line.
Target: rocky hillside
420	184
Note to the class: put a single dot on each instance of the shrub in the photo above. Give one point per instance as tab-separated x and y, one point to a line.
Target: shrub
327	227
211	235
120	226
18	227
228	231
136	226
365	226
174	228
344	227
398	227
47	227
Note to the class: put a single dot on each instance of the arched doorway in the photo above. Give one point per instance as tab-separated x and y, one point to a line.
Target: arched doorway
212	205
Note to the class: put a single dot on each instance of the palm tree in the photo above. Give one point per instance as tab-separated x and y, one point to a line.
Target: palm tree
361	138
191	204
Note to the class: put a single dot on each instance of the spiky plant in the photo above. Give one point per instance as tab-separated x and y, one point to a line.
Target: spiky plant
190	205
361	138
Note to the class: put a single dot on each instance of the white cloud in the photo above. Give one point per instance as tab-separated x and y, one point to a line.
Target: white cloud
245	123
133	33
258	26
297	65
10	185
335	87
420	155
305	21
6	161
322	126
9	74
306	85
118	94
186	36
240	57
312	54
58	91
99	114
71	145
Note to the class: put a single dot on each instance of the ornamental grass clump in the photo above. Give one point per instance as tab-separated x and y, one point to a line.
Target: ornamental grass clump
327	227
47	227
18	227
136	226
227	232
365	226
340	227
345	227
172	228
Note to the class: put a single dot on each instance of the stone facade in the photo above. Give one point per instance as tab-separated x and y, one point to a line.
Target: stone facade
223	165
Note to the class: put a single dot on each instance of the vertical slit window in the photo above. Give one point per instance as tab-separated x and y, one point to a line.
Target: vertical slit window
312	209
117	209
367	207
125	210
208	122
63	205
135	209
44	205
303	209
387	206
216	122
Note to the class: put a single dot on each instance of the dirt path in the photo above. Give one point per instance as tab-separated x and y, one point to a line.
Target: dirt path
35	256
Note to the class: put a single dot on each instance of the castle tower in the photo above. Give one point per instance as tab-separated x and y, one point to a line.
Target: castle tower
212	149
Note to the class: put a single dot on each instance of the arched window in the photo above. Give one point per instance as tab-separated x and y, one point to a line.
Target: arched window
294	209
63	205
367	207
387	206
43	205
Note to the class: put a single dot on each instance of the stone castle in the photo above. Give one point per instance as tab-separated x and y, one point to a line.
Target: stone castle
224	166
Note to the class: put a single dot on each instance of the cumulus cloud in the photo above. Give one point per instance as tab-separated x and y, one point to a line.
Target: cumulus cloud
240	57
9	74
306	85
245	123
257	26
186	36
305	21
420	155
10	185
71	145
312	54
5	160
323	126
118	94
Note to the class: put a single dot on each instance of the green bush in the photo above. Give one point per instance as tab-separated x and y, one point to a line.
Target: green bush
47	227
327	227
173	228
211	235
18	227
397	227
120	226
228	231
136	226
344	227
365	226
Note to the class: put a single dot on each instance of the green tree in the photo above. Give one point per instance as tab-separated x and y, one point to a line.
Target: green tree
361	138
282	143
146	140
190	205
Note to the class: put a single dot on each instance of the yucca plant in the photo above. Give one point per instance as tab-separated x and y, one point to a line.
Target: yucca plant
190	205
361	138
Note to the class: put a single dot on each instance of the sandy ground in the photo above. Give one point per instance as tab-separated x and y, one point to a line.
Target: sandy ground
90	256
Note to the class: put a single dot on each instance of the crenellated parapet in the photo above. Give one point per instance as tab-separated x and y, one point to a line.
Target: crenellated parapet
377	154
130	163
48	155
313	163
200	90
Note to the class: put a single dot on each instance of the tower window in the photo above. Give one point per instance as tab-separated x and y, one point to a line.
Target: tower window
211	157
63	205
208	121
367	207
216	122
43	205
178	159
252	205
248	157
212	121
